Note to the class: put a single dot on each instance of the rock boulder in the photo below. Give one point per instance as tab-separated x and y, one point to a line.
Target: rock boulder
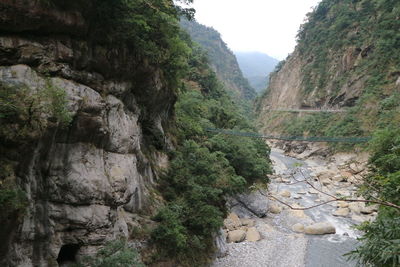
298	227
274	208
247	222
232	222
255	202
320	229
236	236
252	235
342	212
369	209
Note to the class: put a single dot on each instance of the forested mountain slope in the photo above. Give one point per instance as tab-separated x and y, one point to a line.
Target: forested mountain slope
103	110
221	58
256	67
347	58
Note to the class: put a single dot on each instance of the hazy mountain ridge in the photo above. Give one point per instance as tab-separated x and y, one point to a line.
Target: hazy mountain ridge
255	63
256	67
221	58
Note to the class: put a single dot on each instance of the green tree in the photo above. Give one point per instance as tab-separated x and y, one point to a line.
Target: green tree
380	244
202	172
248	157
195	187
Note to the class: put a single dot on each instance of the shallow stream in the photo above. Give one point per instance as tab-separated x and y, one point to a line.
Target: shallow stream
280	245
325	250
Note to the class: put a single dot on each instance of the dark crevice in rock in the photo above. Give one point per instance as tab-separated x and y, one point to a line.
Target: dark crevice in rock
67	254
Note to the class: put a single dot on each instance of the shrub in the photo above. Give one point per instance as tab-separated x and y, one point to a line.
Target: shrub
114	254
248	157
55	103
27	112
380	244
171	234
13	201
195	187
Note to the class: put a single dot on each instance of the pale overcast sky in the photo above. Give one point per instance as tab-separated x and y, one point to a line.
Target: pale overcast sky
268	26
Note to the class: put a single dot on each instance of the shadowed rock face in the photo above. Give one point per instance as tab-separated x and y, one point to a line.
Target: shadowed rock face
85	183
255	203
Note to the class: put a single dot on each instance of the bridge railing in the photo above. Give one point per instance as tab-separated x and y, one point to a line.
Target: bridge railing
310	110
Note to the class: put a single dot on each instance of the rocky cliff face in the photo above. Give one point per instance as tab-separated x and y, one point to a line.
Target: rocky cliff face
346	58
88	182
288	88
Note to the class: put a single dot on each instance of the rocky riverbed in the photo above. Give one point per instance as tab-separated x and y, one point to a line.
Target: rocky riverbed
262	230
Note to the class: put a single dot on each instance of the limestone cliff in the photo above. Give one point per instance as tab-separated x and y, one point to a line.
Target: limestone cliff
88	182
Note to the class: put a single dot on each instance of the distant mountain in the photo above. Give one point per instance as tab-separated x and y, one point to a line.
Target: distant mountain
256	67
221	58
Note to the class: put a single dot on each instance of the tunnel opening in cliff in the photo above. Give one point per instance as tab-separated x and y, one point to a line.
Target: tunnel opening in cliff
67	253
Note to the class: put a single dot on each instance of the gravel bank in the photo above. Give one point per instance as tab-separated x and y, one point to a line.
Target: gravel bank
277	249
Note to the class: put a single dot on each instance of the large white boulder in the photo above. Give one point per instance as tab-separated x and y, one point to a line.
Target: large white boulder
248	222
320	229
232	222
253	235
298	227
236	236
342	212
274	208
369	209
285	193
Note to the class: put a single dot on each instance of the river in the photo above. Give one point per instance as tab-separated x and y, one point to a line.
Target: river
281	246
325	250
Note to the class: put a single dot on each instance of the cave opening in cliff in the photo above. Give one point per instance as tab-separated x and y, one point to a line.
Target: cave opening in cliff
68	253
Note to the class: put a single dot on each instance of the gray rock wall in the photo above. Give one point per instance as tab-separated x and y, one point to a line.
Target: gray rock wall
86	183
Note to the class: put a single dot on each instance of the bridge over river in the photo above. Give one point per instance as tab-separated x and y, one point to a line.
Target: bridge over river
353	139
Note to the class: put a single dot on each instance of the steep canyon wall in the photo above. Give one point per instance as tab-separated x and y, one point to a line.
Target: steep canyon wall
89	181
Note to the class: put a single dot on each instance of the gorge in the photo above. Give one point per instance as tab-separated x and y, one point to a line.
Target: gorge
107	157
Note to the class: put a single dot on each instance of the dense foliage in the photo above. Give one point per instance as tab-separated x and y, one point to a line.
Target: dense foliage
205	168
195	188
148	29
380	245
12	201
336	25
25	112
